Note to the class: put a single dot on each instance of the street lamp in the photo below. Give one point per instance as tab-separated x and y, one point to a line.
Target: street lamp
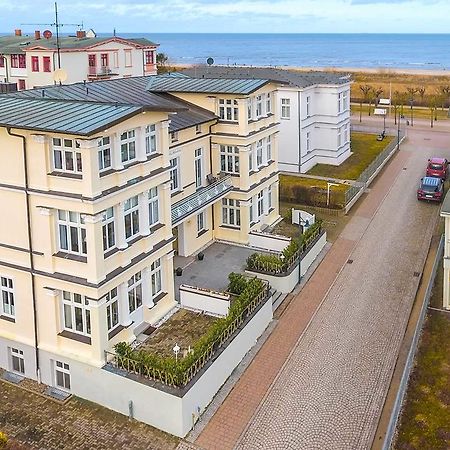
398	131
329	184
301	223
411	102
176	350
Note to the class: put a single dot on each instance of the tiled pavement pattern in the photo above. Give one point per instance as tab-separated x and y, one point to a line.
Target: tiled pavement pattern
330	392
46	425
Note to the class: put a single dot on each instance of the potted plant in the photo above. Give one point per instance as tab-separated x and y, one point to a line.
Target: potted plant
179	271
200	256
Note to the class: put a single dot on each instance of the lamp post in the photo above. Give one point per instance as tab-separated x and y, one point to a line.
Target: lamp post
176	350
398	130
411	102
329	184
301	223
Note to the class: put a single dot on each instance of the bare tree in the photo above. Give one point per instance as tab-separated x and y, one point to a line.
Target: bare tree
432	104
412	91
445	94
396	100
365	89
421	91
376	92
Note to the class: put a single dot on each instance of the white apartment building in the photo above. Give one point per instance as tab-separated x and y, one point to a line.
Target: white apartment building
31	60
314	113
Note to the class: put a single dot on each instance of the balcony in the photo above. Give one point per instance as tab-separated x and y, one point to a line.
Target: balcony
200	199
100	72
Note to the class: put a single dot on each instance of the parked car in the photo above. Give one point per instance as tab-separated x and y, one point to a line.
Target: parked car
431	188
437	167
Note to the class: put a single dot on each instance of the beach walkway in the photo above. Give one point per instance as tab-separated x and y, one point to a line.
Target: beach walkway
320	379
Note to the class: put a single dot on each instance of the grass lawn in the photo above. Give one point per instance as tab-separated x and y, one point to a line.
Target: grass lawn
183	328
305	190
419	113
425	420
365	148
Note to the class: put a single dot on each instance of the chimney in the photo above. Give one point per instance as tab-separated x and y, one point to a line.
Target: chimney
81	34
37	35
18	32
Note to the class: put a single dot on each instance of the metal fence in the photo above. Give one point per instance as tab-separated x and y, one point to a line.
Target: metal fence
364	179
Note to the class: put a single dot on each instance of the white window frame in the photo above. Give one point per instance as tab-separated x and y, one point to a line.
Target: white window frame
175	182
153	206
251	211
308	106
285	108
174	136
198	167
260	203
231	212
346	133
75	232
108	229
134	290
156	278
269	148
128	151
104	154
259	153
251	157
198	128
150	139
308	141
339	137
269	197
228	110
70	160
73	305
201	222
259	106
249	109
268	103
64	370
112	310
7	305
16	355
229	159
345	100
131	215
339	102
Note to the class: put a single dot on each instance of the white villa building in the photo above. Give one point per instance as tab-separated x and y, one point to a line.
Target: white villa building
445	213
314	113
31	60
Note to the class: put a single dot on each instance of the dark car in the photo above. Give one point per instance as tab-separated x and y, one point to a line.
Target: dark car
437	167
431	188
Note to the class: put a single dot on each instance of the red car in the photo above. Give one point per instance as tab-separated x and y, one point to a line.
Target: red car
437	167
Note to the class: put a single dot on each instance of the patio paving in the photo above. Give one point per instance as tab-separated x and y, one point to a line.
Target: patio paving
212	273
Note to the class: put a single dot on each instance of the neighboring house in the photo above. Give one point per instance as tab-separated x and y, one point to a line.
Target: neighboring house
314	111
98	180
31	61
445	213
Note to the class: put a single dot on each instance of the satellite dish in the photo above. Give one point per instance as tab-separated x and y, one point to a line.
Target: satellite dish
47	34
210	61
59	75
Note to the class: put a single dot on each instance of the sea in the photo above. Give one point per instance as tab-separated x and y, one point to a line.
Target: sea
406	51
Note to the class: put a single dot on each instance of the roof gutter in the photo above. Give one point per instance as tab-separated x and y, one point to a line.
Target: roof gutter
30	246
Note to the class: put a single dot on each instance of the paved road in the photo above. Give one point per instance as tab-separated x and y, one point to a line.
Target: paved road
330	392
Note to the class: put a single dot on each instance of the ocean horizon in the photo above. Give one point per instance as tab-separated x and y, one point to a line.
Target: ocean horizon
395	51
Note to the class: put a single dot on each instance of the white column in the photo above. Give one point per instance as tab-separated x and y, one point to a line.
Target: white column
165	210
266	202
94	241
147	299
124	309
116	158
119	224
162	141
144	220
140	144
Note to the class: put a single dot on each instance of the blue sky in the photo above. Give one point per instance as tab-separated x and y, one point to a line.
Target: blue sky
236	16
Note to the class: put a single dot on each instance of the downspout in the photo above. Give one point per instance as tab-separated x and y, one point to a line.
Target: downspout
30	246
299	134
211	169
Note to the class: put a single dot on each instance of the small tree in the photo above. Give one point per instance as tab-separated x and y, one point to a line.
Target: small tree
421	91
162	63
365	89
396	100
375	96
445	94
432	104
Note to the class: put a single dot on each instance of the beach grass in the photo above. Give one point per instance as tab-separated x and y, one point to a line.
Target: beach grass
365	148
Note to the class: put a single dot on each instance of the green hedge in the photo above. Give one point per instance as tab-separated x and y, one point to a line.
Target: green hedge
246	288
275	264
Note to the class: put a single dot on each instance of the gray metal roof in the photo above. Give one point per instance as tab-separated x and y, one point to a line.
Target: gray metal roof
17	44
206	85
127	91
79	118
291	77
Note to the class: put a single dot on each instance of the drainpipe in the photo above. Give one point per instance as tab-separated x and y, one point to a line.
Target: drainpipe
30	246
299	134
211	169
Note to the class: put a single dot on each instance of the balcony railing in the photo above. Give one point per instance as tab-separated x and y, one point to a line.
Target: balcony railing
200	199
101	71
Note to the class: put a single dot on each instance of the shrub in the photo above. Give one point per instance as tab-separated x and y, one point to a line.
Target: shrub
238	283
3	439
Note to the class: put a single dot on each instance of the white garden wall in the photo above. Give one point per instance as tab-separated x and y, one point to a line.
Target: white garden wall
204	300
268	241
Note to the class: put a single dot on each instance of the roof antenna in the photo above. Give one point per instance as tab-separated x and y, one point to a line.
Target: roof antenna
43	92
87	90
114	32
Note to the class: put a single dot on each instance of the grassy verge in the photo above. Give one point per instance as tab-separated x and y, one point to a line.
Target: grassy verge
365	148
425	420
311	191
418	113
